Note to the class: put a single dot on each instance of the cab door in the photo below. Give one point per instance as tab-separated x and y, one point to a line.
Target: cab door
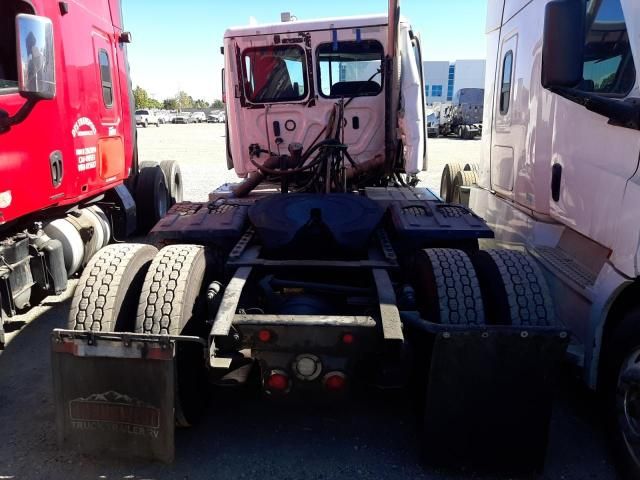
110	154
504	136
592	160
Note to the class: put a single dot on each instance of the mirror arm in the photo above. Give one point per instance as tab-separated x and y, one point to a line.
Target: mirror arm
6	122
624	114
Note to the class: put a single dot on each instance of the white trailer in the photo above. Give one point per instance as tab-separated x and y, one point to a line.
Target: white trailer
559	177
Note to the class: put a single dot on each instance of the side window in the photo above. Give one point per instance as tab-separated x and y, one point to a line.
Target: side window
436	90
350	69
505	87
9	9
608	61
105	78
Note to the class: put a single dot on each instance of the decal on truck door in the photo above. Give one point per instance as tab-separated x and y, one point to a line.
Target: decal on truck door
86	155
83	127
86	158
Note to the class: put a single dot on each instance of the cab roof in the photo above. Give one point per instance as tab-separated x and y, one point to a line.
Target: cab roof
360	21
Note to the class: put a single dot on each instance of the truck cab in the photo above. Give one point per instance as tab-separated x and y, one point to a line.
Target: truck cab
285	79
559	174
68	145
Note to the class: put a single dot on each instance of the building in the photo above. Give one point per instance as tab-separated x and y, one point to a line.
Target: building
443	79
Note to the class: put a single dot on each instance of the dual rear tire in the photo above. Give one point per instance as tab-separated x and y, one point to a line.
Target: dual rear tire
496	287
135	288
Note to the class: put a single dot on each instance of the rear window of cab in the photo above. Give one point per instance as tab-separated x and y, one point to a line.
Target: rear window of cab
350	68
274	74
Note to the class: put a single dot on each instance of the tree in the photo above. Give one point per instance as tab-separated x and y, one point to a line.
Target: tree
153	103
217	104
170	104
141	97
184	100
143	100
201	104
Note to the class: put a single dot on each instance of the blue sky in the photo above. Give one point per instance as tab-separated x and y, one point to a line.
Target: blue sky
176	43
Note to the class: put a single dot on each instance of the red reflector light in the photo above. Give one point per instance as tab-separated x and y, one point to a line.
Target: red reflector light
335	381
277	382
348	338
264	335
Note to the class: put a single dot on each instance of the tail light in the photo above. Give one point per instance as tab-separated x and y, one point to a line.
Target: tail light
335	381
277	381
264	335
348	338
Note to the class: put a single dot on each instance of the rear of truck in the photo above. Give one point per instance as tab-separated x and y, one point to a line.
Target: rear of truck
321	272
464	116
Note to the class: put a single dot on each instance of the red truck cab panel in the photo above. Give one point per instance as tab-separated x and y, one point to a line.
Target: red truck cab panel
87	126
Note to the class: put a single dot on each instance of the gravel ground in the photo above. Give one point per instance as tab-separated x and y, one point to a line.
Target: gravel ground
241	437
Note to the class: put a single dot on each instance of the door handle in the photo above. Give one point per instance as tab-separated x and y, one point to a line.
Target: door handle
55	161
556	177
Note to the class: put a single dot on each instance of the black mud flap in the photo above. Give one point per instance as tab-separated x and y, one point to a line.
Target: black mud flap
114	394
489	399
489	396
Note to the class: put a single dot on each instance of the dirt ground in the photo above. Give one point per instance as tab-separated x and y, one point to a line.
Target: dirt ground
244	437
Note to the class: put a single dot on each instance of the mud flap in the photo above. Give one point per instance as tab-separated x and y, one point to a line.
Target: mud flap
489	397
114	394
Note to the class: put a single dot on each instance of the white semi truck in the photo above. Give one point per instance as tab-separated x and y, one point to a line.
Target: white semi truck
559	178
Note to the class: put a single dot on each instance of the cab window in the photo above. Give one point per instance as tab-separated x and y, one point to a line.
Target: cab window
608	60
9	9
350	69
105	78
505	87
274	74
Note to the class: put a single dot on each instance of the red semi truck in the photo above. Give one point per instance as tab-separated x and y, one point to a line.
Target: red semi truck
67	145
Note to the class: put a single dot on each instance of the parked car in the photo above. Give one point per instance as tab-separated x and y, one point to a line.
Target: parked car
199	117
164	117
216	117
147	117
183	117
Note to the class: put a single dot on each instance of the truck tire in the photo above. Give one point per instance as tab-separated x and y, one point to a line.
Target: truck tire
462	179
171	303
152	197
170	290
106	298
448	293
446	180
620	391
514	288
447	288
173	176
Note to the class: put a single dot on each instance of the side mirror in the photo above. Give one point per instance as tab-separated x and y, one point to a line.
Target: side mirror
563	43
36	57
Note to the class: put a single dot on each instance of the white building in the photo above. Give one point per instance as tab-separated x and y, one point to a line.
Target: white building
443	79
